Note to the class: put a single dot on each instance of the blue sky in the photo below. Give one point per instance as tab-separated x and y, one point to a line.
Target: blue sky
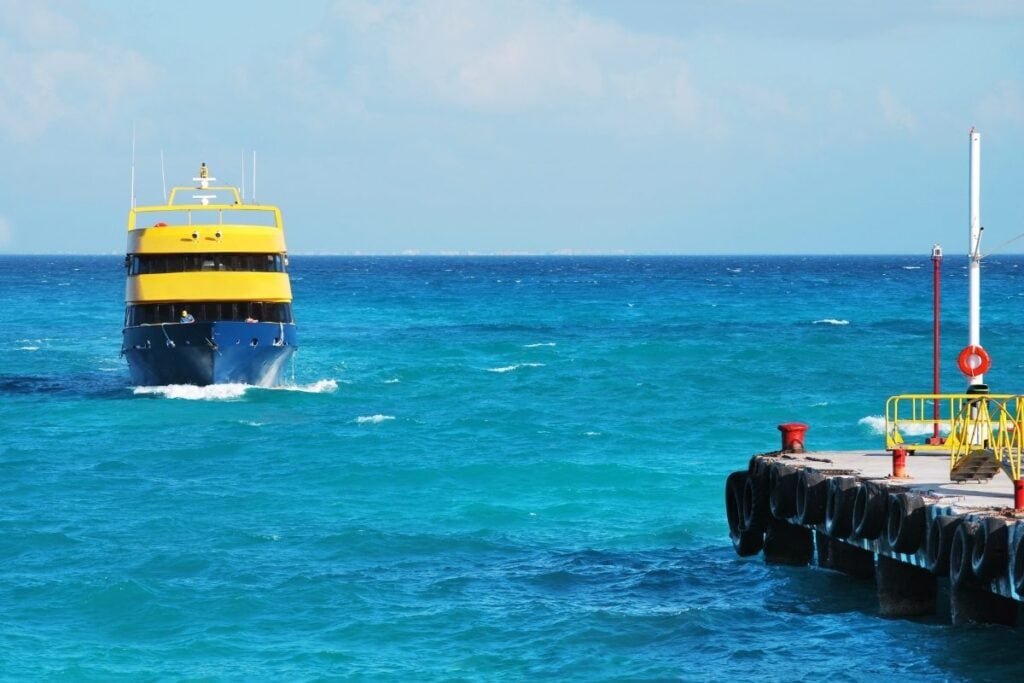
470	126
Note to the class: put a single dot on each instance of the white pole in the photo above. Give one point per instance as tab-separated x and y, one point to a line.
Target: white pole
163	175
243	176
974	326
254	176
132	190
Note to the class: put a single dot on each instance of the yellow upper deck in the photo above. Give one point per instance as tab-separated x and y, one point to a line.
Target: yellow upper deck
205	218
196	224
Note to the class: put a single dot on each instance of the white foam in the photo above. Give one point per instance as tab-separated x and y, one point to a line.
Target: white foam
323	386
394	380
190	392
534	346
510	368
911	267
877	425
374	419
28	348
831	321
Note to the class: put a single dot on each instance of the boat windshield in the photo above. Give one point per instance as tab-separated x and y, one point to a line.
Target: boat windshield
160	217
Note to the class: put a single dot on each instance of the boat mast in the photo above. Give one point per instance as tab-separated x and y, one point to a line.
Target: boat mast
163	175
974	253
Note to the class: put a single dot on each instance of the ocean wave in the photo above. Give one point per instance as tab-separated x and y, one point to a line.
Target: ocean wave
510	368
373	419
533	346
28	348
877	425
393	380
911	267
831	321
190	392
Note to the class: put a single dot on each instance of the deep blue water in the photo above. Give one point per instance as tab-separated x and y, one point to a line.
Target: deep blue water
486	469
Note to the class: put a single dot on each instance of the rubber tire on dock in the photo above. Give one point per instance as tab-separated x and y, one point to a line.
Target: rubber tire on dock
745	542
869	510
990	554
960	571
939	542
756	514
758	468
1018	565
906	522
811	497
839	506
782	487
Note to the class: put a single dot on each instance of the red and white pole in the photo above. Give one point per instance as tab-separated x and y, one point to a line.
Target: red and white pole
936	268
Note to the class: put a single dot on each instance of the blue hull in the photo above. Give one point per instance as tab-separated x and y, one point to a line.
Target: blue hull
204	353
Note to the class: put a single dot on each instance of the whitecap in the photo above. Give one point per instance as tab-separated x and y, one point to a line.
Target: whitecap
735	270
831	321
537	345
190	392
393	380
323	386
374	419
911	267
28	348
510	368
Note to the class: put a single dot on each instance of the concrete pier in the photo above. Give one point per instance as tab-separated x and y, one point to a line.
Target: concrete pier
911	534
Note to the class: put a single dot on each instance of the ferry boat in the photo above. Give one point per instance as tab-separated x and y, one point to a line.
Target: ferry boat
207	297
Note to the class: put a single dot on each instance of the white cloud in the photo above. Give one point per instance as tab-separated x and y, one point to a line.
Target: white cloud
51	72
522	57
895	112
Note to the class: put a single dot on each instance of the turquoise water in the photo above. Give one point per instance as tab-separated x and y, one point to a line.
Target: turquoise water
485	469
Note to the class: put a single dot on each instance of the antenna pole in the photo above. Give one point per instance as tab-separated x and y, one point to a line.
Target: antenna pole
132	188
243	176
163	175
254	176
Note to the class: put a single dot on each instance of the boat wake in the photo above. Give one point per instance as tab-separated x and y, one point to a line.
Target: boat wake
229	392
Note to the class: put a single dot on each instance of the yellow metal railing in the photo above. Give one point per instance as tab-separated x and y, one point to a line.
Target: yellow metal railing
992	422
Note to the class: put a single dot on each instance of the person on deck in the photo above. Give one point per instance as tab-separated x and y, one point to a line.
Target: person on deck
186	317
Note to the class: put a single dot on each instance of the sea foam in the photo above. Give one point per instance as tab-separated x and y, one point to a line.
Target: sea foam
831	321
877	425
510	368
373	419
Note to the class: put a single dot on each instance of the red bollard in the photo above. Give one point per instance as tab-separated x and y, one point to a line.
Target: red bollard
793	436
899	463
1018	495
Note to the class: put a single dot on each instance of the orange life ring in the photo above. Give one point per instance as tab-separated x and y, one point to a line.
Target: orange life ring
972	351
160	225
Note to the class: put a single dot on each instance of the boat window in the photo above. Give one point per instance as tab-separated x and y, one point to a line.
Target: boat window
208	311
146	264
